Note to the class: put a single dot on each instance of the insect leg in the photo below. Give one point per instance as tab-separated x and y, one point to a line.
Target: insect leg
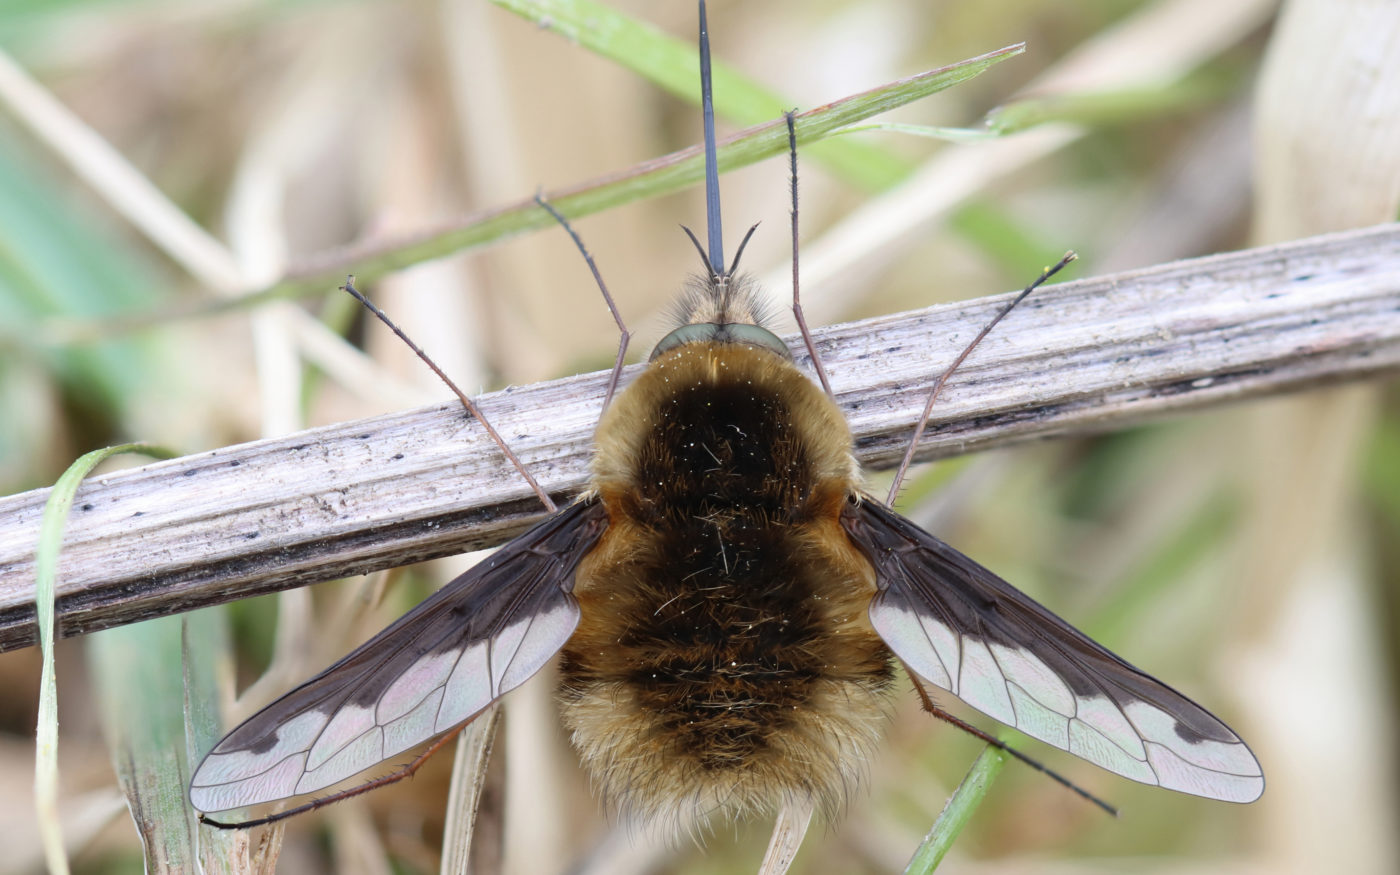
932	708
624	336
962	356
462	396
796	297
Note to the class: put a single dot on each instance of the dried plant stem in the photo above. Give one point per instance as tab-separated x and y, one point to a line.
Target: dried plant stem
1078	357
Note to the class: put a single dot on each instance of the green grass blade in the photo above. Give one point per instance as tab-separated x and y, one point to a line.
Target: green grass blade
929	132
45	573
205	644
649	179
957	812
155	683
672	64
137	673
1105	108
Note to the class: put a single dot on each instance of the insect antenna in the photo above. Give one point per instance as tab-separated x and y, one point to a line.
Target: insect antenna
348	793
796	298
733	266
932	708
624	336
462	396
962	356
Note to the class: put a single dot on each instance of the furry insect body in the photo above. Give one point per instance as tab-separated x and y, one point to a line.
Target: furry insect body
724	660
728	609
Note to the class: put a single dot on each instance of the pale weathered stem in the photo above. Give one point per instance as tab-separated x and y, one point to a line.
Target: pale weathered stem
1078	357
789	830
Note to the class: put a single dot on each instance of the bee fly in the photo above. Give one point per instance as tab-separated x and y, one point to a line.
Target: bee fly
729	607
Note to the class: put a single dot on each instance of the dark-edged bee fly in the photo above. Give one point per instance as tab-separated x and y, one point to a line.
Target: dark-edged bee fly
729	607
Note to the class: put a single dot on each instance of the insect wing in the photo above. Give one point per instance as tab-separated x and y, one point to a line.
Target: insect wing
437	666
968	631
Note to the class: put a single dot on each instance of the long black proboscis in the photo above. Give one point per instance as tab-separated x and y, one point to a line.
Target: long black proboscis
707	105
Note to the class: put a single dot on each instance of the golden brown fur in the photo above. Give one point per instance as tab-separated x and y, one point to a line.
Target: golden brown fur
724	662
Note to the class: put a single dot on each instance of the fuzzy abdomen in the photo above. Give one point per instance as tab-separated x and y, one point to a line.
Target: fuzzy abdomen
724	662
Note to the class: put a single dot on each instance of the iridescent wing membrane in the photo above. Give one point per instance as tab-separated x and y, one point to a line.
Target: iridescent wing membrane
966	630
435	668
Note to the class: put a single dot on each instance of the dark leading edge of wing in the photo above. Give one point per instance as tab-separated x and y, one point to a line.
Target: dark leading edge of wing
968	631
436	667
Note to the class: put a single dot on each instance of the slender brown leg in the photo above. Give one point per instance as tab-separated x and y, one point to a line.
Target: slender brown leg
624	336
932	708
962	356
796	295
461	396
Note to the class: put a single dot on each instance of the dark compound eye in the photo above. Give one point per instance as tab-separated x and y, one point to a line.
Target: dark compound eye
734	332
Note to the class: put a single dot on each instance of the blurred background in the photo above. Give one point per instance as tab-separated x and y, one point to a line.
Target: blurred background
1246	555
